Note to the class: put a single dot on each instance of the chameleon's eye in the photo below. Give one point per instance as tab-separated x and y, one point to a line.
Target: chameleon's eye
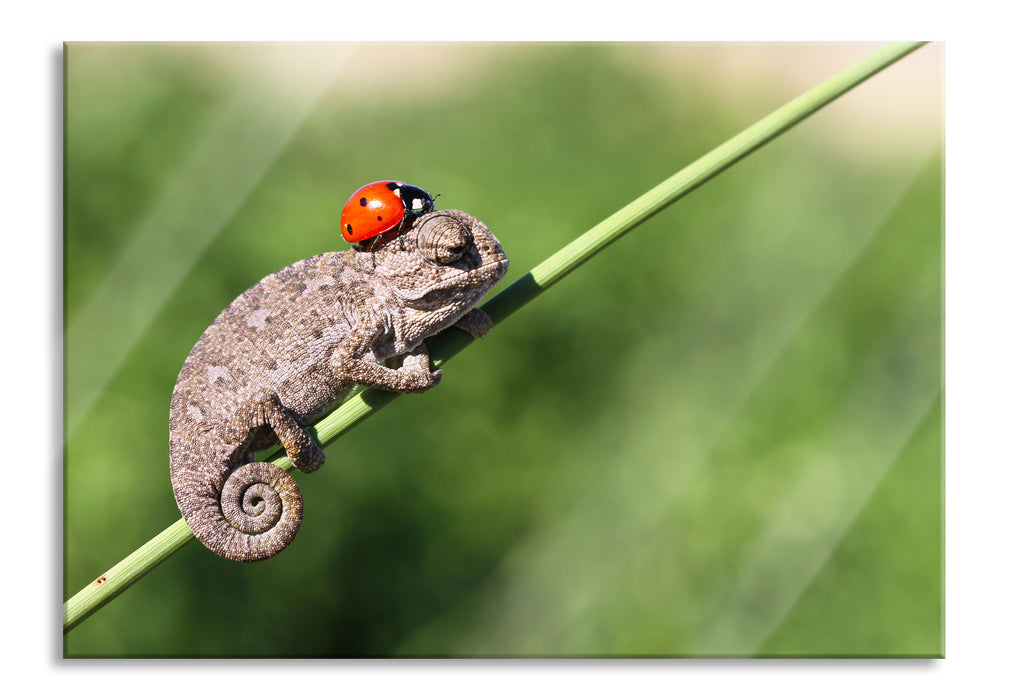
443	240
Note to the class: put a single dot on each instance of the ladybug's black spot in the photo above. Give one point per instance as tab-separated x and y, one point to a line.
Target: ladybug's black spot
392	186
364	201
380	218
350	231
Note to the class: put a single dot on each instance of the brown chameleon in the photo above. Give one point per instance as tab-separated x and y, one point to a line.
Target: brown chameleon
291	348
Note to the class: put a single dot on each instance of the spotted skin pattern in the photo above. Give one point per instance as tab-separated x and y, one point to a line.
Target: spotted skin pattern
290	349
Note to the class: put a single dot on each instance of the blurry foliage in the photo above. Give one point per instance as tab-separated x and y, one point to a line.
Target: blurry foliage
722	435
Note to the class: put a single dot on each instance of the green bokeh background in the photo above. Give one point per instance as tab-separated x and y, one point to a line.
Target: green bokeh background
721	436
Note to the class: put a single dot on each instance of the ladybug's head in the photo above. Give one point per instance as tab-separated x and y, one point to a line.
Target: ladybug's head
416	201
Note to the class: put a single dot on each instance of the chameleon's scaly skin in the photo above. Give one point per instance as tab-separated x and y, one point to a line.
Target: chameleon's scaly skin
291	348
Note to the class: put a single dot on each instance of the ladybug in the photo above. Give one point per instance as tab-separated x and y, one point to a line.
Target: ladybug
382	207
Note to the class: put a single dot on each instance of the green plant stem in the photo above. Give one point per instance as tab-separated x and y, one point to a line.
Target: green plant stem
525	289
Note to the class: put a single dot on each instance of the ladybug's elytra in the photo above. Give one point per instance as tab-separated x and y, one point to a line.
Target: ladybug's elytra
381	207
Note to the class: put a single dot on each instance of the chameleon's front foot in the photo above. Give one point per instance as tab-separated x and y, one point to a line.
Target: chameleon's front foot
413	376
477	323
417	366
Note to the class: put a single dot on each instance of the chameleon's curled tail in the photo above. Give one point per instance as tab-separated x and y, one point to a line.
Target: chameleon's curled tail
258	514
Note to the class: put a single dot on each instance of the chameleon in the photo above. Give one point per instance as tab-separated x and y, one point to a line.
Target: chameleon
292	347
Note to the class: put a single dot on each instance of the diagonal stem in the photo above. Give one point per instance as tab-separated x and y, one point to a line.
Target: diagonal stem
521	292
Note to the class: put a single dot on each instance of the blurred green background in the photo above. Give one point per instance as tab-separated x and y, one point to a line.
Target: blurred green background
721	436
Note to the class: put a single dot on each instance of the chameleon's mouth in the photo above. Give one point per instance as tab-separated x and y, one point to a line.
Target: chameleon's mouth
482	277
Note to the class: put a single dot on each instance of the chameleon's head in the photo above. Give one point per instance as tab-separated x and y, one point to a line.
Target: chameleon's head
446	257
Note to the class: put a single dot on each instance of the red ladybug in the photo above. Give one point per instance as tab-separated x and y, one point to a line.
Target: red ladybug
381	207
